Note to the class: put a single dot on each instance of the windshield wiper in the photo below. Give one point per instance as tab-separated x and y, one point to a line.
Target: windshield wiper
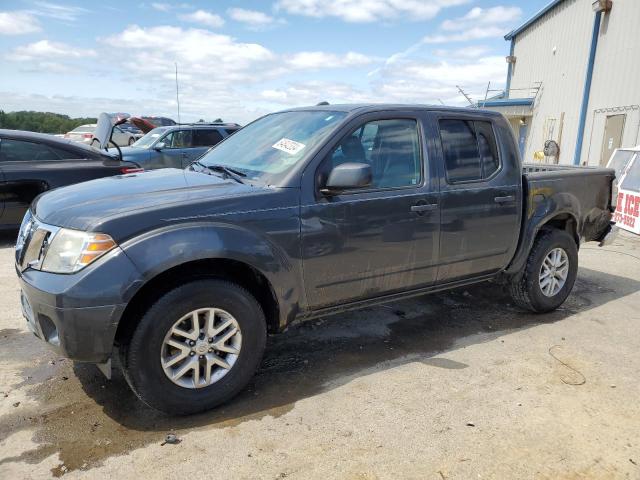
228	172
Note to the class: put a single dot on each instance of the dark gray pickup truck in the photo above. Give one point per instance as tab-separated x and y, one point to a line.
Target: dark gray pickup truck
303	213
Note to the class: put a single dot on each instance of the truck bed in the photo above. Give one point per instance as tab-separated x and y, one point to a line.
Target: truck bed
581	191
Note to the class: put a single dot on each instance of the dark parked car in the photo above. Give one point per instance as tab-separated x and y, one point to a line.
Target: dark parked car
300	214
31	163
176	146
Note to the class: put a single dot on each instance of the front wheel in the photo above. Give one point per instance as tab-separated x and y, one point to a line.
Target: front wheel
549	274
196	347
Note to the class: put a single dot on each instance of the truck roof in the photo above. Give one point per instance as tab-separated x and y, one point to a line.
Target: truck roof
377	107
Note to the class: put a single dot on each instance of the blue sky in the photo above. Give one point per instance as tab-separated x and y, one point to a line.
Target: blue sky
240	59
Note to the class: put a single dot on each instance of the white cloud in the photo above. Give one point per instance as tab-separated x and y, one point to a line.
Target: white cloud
18	23
44	49
478	16
475	33
204	18
59	12
167	7
250	17
472	51
367	10
477	23
162	7
320	60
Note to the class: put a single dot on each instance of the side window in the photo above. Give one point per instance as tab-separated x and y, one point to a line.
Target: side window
18	150
487	148
391	147
178	139
206	137
67	154
231	131
470	150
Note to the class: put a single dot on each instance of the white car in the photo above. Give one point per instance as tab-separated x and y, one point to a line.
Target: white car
84	134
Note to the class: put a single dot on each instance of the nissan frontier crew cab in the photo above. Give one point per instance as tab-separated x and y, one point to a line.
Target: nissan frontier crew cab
302	213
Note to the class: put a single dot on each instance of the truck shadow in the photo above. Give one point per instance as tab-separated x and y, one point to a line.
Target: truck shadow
318	355
87	419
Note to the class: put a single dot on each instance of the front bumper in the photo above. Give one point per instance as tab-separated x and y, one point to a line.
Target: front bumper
78	315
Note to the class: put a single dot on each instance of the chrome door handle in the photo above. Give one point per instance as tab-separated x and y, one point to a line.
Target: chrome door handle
507	199
423	207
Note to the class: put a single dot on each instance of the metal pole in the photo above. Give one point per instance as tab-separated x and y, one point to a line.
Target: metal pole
177	93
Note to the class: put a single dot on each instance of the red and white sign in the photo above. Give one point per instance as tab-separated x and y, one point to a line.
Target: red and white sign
627	214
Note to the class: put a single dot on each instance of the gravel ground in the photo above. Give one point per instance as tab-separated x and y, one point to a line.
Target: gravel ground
458	385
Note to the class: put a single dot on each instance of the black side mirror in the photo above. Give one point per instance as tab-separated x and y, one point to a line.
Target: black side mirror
348	176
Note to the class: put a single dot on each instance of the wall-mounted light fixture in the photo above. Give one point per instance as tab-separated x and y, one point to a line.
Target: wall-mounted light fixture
602	5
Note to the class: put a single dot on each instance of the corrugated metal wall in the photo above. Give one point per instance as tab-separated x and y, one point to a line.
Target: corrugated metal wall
555	50
616	79
567	29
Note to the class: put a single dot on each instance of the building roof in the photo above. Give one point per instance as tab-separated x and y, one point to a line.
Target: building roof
506	102
532	20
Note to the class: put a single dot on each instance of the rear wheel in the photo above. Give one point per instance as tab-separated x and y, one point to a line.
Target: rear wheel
549	273
196	347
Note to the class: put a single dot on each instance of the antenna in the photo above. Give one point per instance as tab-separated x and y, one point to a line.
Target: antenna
465	95
177	93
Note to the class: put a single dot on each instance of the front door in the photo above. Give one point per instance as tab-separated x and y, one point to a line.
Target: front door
613	128
379	239
176	145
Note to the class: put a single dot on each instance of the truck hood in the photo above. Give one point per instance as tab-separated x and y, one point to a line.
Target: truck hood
156	196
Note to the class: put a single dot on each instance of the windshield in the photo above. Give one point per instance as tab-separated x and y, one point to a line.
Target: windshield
267	149
620	160
631	179
150	138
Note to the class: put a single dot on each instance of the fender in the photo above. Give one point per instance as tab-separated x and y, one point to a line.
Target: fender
164	248
543	205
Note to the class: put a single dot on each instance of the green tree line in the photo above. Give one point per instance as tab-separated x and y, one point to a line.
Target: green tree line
44	122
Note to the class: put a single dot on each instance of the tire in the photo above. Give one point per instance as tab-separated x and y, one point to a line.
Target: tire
143	367
527	292
131	141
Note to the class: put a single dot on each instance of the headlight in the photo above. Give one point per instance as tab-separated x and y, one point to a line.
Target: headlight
72	250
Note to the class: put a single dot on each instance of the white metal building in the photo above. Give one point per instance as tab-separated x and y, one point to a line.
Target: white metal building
574	78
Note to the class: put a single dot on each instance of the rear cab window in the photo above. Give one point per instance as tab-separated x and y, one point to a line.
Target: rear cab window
469	149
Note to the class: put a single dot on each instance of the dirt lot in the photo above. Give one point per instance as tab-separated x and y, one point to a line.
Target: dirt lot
459	385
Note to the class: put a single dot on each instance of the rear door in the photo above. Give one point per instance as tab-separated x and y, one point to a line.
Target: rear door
203	140
480	185
30	168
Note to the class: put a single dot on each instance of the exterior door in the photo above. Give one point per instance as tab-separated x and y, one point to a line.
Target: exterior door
613	129
522	139
30	168
479	197
176	145
379	239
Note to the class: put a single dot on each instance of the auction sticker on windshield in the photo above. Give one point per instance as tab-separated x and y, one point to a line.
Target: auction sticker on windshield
289	146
